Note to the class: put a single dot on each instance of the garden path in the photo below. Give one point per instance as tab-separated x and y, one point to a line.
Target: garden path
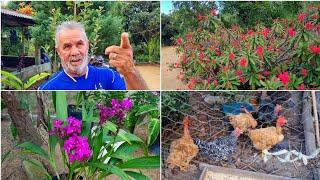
151	74
169	78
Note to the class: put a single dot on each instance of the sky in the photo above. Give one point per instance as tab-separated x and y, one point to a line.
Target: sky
166	6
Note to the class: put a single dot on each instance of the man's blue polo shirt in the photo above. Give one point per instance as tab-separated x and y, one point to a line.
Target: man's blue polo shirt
95	79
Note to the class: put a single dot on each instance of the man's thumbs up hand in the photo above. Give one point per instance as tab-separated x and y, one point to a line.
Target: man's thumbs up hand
125	43
121	57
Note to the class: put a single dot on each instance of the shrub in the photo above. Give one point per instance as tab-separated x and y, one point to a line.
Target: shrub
284	56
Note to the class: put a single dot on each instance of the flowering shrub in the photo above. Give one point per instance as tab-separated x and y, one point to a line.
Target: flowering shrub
95	147
284	56
26	9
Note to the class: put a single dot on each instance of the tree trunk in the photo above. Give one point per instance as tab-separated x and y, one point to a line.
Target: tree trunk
42	114
21	118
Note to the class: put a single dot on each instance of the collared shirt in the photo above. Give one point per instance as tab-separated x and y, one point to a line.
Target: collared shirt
95	79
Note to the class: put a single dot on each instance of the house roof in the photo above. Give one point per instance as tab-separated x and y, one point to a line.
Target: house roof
12	18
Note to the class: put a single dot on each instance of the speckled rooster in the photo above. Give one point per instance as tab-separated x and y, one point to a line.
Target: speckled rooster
222	148
182	150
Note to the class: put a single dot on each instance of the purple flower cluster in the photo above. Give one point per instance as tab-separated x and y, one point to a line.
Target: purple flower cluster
118	110
76	147
73	127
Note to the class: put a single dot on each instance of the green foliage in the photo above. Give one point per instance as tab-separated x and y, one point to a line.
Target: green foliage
173	106
142	20
183	19
149	52
248	14
9	80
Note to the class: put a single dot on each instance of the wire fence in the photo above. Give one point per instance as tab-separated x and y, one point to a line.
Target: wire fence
208	113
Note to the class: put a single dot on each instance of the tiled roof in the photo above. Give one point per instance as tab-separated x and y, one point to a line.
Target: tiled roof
14	13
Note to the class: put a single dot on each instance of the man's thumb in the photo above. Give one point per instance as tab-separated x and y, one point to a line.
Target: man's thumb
125	43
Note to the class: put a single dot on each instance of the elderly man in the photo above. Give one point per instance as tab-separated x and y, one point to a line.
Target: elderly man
72	46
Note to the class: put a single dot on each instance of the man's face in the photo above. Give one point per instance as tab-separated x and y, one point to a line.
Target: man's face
73	51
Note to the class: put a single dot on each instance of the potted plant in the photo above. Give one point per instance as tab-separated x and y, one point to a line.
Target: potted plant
93	147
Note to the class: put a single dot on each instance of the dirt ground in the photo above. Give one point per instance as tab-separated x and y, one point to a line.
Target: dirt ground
151	74
208	122
11	168
169	79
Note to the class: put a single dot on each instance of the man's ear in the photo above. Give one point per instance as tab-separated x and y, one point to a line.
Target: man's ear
88	44
57	50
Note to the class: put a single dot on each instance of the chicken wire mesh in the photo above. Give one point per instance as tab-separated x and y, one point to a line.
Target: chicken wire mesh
208	122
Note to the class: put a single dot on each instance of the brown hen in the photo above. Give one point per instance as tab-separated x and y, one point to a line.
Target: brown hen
265	138
243	121
182	150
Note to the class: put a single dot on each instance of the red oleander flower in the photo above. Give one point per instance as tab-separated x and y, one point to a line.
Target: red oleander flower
291	32
189	36
179	41
242	80
259	50
231	56
308	26
215	82
304	72
239	72
243	62
275	20
301	17
301	87
250	32
201	55
191	83
284	20
284	78
213	12
314	49
265	32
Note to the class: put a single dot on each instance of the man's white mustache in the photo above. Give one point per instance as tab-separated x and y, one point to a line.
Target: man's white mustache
75	58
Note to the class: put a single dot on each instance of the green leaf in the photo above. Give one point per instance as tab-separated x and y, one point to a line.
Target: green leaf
149	162
110	168
5	155
15	85
146	108
136	175
125	151
11	77
153	130
98	143
61	105
110	126
128	137
35	169
35	79
13	130
33	148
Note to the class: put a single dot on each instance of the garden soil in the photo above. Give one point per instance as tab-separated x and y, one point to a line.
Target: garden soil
169	79
151	74
12	167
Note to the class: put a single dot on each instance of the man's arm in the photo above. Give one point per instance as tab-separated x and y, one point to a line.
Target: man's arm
121	57
134	80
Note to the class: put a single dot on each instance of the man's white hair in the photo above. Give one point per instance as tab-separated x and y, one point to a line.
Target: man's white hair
69	25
